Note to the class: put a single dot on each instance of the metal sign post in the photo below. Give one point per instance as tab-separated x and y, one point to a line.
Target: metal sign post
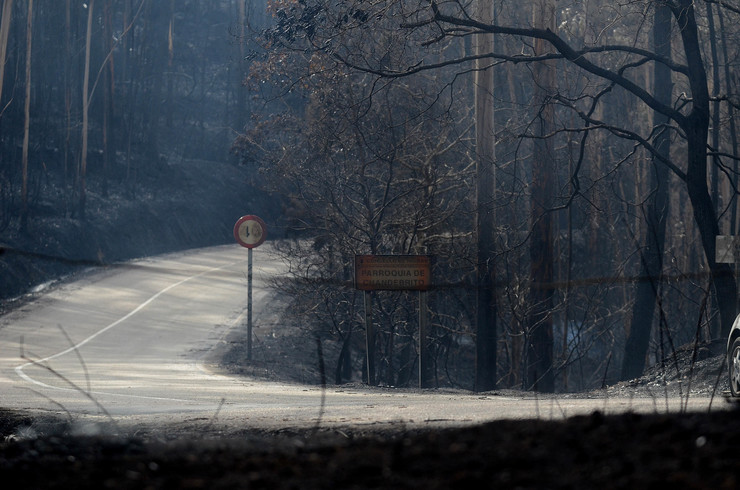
249	304
394	273
424	376
369	338
250	232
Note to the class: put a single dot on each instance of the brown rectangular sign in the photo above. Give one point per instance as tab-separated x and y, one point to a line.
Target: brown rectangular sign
392	272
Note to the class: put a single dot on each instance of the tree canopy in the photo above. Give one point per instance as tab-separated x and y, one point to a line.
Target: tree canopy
606	121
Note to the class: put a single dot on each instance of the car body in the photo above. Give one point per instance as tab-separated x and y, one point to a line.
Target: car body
733	357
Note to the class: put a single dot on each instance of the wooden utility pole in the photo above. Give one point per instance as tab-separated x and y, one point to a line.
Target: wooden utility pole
485	363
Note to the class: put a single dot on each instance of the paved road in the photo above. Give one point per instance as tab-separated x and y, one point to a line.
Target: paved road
128	343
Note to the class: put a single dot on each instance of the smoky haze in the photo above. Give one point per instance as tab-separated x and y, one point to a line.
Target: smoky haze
556	162
141	164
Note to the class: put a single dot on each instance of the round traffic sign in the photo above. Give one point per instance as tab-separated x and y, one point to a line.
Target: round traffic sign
250	231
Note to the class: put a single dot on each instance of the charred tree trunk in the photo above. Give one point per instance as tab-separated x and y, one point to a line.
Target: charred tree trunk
486	335
540	375
656	213
696	128
85	112
26	121
108	90
68	202
170	65
4	31
241	104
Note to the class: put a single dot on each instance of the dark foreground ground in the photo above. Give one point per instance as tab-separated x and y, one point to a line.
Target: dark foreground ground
629	451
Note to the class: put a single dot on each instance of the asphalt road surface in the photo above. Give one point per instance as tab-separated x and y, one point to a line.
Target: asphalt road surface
128	343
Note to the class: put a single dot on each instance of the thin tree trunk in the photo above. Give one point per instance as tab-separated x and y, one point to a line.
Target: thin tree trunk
85	110
4	31
241	94
170	65
67	97
656	212
540	375
27	121
715	162
716	196
108	80
486	335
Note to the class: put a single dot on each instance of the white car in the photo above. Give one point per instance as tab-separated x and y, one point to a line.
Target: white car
733	357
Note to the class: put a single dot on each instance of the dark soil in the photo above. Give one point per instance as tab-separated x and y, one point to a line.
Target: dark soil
628	451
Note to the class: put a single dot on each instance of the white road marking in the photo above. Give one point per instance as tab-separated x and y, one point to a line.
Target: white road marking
27	378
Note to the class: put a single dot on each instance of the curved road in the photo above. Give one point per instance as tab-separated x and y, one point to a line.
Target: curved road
127	343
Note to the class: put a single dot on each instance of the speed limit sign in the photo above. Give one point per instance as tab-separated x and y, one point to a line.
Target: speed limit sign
250	231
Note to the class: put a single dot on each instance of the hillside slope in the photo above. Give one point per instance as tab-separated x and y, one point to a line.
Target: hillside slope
189	204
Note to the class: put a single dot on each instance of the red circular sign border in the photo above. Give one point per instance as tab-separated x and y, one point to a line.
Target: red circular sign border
250	217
